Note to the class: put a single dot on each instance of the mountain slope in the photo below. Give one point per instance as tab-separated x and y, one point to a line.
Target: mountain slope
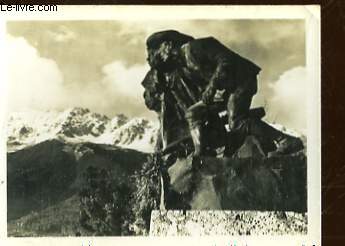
51	171
60	219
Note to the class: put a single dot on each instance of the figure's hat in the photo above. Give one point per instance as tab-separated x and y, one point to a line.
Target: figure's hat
155	39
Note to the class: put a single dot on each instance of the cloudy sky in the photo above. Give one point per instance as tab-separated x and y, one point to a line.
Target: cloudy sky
100	64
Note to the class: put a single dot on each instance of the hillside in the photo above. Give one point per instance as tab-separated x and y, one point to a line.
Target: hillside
51	171
61	219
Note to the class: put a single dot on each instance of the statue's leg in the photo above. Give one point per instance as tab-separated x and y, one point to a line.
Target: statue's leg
196	116
285	144
241	126
238	106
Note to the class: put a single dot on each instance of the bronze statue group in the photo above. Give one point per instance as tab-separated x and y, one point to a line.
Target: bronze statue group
202	92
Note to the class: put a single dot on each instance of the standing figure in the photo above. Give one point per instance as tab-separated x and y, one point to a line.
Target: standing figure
173	125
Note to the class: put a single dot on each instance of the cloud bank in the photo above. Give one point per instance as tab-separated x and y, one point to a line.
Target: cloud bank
100	64
36	83
289	103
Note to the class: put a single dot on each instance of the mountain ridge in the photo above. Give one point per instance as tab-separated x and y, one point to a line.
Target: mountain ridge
76	125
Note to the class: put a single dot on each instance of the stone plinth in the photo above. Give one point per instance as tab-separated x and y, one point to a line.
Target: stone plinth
222	223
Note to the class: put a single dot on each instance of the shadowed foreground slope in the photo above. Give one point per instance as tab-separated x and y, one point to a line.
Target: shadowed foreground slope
43	182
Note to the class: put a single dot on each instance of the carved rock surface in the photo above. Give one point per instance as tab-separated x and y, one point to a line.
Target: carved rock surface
240	183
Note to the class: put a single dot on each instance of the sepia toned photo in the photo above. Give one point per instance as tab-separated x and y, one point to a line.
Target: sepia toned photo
161	127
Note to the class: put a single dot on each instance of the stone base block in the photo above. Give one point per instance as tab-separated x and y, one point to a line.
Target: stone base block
222	223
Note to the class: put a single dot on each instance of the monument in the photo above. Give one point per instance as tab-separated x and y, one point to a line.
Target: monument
215	152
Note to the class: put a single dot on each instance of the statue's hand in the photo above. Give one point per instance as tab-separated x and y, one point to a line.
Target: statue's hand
208	95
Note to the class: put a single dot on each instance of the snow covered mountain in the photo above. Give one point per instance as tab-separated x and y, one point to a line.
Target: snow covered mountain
79	125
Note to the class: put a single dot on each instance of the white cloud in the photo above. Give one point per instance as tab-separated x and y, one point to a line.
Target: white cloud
34	82
123	85
125	80
288	105
62	34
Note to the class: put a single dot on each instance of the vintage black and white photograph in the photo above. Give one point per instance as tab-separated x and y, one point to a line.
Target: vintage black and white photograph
158	127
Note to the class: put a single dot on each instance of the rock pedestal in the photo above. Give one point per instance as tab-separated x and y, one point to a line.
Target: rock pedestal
226	223
248	194
239	183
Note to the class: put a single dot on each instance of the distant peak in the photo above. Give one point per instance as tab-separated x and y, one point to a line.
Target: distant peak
78	124
122	117
78	110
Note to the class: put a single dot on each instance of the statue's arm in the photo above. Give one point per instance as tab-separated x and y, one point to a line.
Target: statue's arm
153	91
152	100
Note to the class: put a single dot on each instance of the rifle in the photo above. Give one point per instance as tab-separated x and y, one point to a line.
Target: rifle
174	145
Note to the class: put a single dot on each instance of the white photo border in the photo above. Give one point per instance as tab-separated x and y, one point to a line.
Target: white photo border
311	15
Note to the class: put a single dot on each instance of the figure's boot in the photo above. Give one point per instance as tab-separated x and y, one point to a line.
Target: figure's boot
285	144
196	133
